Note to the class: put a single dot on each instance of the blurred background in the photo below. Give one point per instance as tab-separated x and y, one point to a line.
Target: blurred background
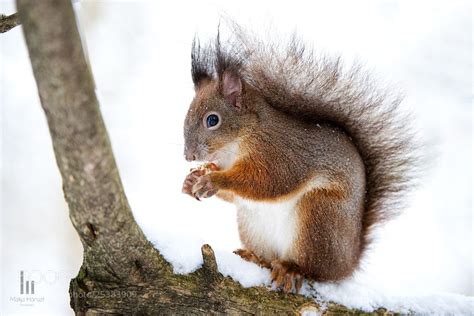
140	56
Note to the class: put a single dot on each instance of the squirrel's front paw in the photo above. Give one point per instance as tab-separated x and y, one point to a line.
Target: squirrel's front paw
203	188
191	180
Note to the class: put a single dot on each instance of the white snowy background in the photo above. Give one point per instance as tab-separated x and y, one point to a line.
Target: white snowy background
140	56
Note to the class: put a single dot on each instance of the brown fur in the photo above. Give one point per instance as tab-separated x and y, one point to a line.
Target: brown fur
225	195
296	119
325	222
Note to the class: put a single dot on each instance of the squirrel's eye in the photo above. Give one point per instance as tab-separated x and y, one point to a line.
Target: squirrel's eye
212	121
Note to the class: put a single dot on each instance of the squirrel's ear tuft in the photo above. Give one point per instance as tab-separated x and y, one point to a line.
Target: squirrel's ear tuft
202	67
232	88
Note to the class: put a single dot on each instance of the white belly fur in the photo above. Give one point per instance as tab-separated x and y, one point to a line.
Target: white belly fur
271	228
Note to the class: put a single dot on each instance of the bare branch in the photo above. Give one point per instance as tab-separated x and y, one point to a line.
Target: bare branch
92	187
7	22
209	265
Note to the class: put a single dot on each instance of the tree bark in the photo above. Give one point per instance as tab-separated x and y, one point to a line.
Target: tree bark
7	22
122	273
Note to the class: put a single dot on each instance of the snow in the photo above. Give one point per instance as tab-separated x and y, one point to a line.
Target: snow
356	292
139	50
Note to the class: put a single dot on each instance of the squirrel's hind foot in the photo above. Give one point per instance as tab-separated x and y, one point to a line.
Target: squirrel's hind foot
286	275
252	257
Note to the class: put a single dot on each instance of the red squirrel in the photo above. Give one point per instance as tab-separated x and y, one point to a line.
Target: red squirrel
313	155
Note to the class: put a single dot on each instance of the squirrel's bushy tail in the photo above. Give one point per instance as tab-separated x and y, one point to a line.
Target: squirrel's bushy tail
293	79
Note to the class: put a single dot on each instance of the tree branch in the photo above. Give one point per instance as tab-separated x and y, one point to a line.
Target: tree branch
7	22
122	272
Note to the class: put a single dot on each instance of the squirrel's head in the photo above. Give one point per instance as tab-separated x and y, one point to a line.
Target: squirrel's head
217	119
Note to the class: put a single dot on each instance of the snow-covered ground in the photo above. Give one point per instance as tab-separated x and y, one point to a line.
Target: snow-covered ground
139	51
